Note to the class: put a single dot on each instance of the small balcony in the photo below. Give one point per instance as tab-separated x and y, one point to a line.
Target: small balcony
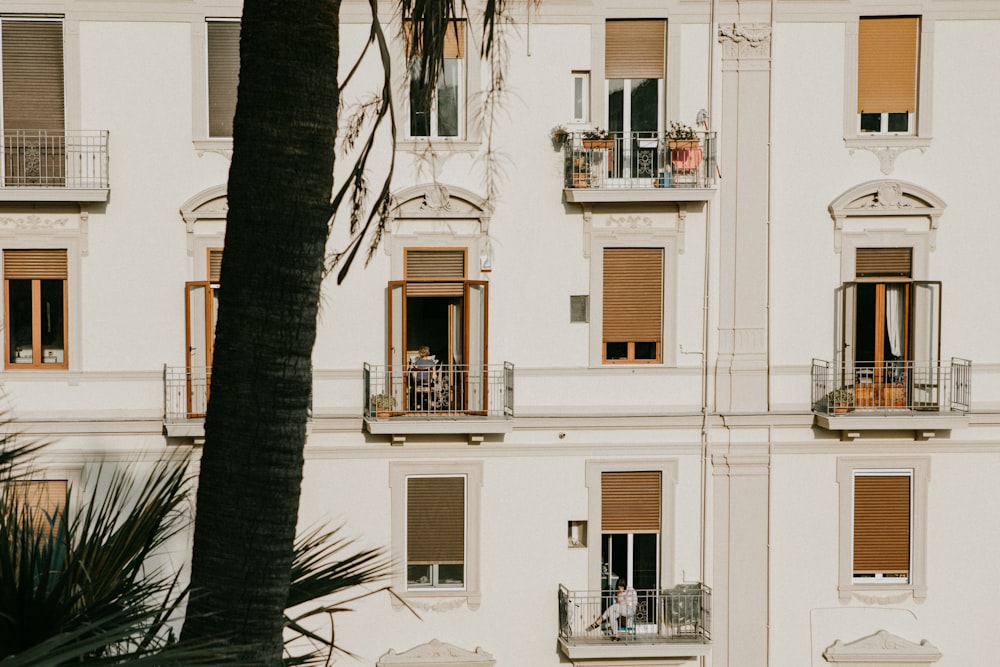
886	395
55	165
669	623
639	166
452	398
185	399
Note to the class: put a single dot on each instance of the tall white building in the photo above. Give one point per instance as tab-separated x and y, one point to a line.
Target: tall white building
751	369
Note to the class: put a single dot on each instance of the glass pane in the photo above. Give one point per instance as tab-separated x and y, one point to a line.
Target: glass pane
418	575
447	99
53	345
644	97
578	97
19	321
420	119
899	122
616	350
451	574
871	122
645	350
616	105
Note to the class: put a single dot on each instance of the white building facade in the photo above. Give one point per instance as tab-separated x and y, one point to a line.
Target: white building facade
749	368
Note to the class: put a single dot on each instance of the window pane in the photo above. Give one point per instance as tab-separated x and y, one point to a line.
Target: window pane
871	122
616	105
899	122
645	350
644	97
447	99
451	574
52	321
19	321
418	575
420	119
616	350
578	97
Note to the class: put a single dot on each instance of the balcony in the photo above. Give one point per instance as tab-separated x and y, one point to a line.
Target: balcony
673	623
185	399
453	398
888	395
639	166
55	165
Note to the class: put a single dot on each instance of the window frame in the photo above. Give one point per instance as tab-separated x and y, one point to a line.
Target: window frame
916	583
664	356
37	360
399	474
201	137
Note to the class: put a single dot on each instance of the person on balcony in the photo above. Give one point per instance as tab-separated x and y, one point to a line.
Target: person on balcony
422	370
626	601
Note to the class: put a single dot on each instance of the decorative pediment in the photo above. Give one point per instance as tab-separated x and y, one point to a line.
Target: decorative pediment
209	204
881	649
437	654
883	200
439	202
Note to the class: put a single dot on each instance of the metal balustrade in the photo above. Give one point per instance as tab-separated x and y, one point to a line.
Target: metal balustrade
73	159
640	160
679	614
891	387
450	390
185	392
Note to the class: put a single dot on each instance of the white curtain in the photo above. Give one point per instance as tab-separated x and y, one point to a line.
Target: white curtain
894	318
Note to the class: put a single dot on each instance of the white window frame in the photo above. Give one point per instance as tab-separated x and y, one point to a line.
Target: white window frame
462	101
399	473
916	584
199	92
435	579
580	108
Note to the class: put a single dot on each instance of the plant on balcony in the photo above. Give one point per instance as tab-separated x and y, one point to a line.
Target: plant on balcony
558	134
597	138
841	400
383	404
681	136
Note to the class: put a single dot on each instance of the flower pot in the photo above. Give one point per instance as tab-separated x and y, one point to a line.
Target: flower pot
580	181
683	143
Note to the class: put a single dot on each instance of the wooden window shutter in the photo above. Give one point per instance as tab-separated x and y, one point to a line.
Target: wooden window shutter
34	264
223	76
454	39
215	265
630	502
635	49
887	64
435	520
33	95
882	524
633	294
883	262
42	499
435	272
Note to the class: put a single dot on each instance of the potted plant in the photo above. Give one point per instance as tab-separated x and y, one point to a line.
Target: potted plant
382	404
558	134
681	136
598	138
841	400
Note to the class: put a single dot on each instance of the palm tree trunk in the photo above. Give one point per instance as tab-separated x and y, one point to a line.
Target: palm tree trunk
280	186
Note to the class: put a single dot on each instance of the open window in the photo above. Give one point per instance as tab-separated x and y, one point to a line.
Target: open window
438	307
890	337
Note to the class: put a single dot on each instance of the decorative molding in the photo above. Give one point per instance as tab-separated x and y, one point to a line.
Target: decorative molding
882	648
745	40
209	205
438	654
886	198
629	221
34	223
436	200
881	597
434	603
886	150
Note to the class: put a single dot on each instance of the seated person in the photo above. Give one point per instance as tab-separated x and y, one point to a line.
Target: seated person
624	607
421	371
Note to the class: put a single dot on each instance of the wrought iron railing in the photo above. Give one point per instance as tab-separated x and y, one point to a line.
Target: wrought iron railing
891	387
448	390
76	159
640	160
185	392
679	614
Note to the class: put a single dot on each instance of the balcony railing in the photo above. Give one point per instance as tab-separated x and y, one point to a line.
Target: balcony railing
185	392
640	160
891	387
681	614
55	159
450	390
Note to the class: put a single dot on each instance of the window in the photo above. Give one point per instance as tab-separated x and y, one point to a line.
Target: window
35	315
581	97
442	113
435	528
888	61
42	500
435	532
633	305
223	75
33	101
634	66
883	518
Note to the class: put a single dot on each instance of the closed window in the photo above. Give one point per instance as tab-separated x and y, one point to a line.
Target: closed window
435	532
41	502
223	75
888	60
633	305
35	299
34	141
442	113
883	526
